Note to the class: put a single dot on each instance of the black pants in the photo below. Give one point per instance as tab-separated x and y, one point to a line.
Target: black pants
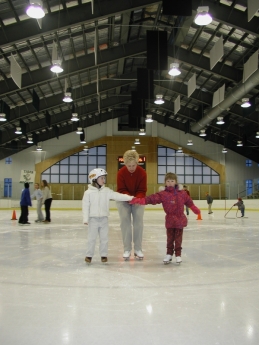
24	215
47	204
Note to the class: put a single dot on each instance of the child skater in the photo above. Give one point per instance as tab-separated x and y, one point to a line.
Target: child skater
173	201
95	206
241	206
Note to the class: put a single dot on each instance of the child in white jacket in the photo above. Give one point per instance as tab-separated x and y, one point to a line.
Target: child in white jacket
95	206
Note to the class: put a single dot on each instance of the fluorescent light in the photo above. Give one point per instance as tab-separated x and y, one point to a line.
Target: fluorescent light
245	103
220	120
202	133
257	135
29	140
2	117
239	143
38	148
203	17
159	99
79	130
189	143
82	141
133	148
18	130
85	149
224	150
142	131
149	118
35	10
174	69
180	149
136	142
56	66
67	98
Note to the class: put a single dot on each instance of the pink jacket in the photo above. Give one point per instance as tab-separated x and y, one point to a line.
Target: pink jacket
173	201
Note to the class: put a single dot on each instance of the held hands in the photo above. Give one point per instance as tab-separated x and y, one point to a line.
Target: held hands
138	201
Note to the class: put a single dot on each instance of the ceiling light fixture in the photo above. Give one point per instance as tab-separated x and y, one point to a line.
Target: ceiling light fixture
67	98
85	149
35	10
174	69
220	120
239	143
74	117
148	118
189	142
224	150
2	117
29	140
133	148
142	131
203	17
159	99
18	130
245	103
56	62
202	133
82	141
136	142
79	130
257	135
180	149
38	148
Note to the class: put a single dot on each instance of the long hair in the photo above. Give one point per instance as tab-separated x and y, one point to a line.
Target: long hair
45	183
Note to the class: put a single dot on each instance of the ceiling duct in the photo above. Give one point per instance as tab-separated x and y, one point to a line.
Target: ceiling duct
236	94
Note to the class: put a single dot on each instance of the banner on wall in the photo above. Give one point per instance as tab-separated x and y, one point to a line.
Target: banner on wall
27	176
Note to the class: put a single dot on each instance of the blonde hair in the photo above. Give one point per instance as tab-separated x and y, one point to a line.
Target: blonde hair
130	156
171	176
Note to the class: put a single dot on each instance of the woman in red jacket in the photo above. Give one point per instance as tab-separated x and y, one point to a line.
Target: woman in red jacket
131	180
173	201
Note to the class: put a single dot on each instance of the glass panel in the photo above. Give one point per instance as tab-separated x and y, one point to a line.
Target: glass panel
161	179
207	179
55	169
161	151
101	160
47	171
63	169
188	179
161	161
180	178
188	170
73	178
171	160
161	170
64	179
102	150
215	179
179	170
82	169
73	169
73	159
82	159
197	170
93	151
83	178
54	178
196	162
206	170
45	177
197	179
170	168
170	152
188	160
214	172
92	160
64	161
180	160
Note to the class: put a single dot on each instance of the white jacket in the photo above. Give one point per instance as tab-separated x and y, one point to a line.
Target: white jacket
95	201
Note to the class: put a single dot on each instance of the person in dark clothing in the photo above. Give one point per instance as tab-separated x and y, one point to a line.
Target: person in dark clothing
209	202
25	203
241	206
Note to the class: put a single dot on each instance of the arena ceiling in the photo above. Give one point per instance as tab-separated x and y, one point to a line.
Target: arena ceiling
102	44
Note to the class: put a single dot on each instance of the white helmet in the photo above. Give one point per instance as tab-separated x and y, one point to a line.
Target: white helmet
95	173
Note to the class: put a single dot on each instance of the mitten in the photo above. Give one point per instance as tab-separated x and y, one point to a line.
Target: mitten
138	201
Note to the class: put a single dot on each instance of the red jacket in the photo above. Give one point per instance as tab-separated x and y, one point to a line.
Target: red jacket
173	201
134	184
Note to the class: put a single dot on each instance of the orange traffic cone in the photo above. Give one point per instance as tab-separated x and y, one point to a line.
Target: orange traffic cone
199	217
14	215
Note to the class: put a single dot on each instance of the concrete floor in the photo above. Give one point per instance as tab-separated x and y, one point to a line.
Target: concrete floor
49	295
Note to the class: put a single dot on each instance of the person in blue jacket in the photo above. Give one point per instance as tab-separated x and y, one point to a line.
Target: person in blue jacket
25	203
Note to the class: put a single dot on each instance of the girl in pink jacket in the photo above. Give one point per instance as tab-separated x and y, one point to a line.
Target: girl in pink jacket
173	201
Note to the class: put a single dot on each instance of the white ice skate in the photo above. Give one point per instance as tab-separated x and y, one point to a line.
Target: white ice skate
126	255
178	259
138	254
167	259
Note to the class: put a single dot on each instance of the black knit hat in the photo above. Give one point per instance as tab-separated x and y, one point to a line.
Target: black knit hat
26	185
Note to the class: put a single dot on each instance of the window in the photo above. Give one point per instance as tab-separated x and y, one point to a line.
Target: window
188	169
75	168
248	163
249	187
8	160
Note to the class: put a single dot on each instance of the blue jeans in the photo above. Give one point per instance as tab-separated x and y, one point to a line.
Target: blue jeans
125	212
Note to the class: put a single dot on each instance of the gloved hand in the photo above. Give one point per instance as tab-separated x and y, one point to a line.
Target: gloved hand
138	201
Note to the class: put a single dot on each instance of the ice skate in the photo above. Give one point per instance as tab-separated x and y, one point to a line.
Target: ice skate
178	259
88	259
138	254
167	259
126	255
104	259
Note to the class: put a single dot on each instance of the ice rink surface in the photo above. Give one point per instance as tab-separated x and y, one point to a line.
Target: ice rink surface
49	295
